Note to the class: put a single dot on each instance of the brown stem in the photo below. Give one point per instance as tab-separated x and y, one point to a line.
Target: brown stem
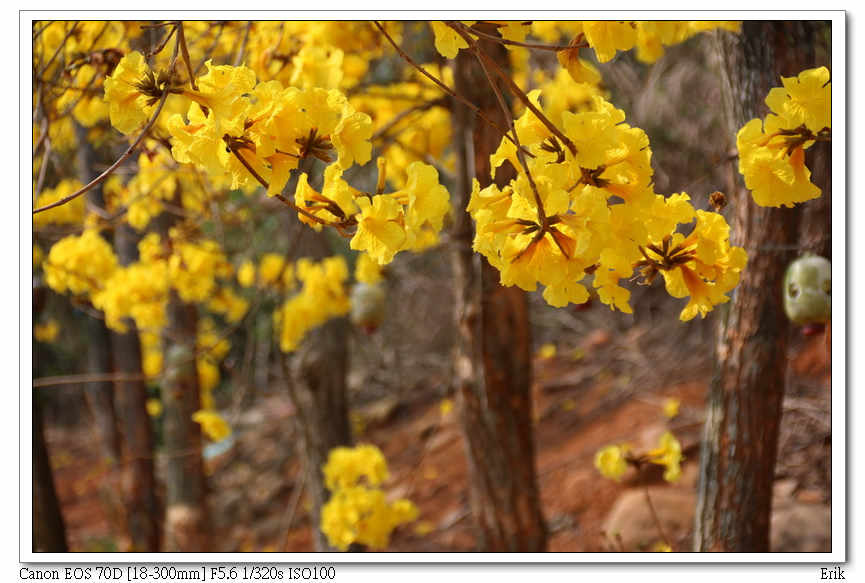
181	37
481	56
85	378
537	46
440	84
519	93
656	519
277	196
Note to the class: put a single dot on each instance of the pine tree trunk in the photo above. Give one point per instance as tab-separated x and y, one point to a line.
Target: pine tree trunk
744	408
139	483
493	355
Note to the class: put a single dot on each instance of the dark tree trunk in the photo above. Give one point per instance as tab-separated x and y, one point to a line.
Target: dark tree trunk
139	483
316	382
744	408
493	355
49	531
316	377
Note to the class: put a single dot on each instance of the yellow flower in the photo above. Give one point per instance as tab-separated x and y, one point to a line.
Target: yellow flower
47	331
379	229
132	91
668	454
611	461
246	274
212	424
804	99
671	407
606	37
446	406
154	407
547	351
447	41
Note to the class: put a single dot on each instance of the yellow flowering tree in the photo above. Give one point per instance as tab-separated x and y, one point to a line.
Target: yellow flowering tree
531	175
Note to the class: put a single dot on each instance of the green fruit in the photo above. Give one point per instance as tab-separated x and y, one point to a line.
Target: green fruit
808	290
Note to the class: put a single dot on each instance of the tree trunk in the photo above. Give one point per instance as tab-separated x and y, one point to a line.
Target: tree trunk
49	531
316	381
744	408
99	395
316	377
186	516
493	354
139	483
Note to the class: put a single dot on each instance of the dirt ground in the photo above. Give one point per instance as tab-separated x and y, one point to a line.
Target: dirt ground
606	384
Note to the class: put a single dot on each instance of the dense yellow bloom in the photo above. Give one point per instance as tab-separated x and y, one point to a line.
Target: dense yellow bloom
347	465
356	512
80	264
322	297
138	291
772	151
69	213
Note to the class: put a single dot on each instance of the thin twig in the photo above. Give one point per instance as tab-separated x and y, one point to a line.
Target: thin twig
540	47
75	379
664	537
184	50
440	84
519	93
480	55
240	52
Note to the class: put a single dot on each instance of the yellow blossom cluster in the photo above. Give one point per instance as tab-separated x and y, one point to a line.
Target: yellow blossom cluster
321	297
586	206
71	212
357	512
606	37
772	150
79	263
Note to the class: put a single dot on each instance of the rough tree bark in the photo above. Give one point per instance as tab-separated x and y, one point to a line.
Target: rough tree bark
186	517
316	377
493	353
139	483
744	407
